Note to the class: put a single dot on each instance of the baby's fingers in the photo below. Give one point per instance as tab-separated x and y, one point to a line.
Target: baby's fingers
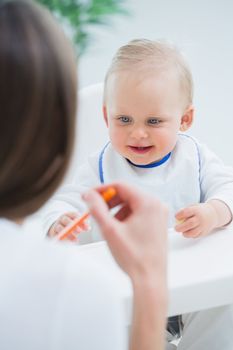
72	237
73	215
185	213
85	226
67	219
58	228
193	233
188	224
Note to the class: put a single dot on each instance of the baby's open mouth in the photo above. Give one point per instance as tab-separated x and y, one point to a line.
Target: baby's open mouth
140	149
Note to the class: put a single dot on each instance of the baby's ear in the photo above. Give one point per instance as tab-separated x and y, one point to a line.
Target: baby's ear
105	114
187	119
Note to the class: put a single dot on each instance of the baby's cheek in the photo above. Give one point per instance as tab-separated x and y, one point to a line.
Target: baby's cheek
166	141
116	136
118	140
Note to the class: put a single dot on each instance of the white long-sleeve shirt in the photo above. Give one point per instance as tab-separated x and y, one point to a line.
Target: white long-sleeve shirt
55	296
191	174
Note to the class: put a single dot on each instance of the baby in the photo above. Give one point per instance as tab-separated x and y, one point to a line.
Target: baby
147	105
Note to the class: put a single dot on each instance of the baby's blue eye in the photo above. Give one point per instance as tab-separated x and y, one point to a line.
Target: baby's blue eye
154	121
124	119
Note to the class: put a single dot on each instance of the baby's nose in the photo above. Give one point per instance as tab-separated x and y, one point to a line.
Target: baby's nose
139	133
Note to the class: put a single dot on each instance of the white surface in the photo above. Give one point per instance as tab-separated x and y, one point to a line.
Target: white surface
200	272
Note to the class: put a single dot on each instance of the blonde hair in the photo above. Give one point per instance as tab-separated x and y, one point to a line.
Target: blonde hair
141	54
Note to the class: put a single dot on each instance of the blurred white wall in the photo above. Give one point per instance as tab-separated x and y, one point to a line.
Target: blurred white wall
203	30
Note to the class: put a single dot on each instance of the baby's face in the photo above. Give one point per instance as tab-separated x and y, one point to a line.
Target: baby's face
143	113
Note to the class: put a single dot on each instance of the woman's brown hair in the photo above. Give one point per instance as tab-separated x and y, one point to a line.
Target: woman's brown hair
37	106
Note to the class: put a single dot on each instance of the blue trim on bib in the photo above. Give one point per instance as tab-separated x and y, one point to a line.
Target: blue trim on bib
101	171
152	165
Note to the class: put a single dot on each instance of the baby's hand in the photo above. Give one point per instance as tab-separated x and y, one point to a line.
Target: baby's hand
64	221
197	220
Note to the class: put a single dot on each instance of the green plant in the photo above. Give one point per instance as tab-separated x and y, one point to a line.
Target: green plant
78	15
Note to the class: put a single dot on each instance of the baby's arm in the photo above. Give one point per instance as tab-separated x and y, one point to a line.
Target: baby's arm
216	207
67	203
199	220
